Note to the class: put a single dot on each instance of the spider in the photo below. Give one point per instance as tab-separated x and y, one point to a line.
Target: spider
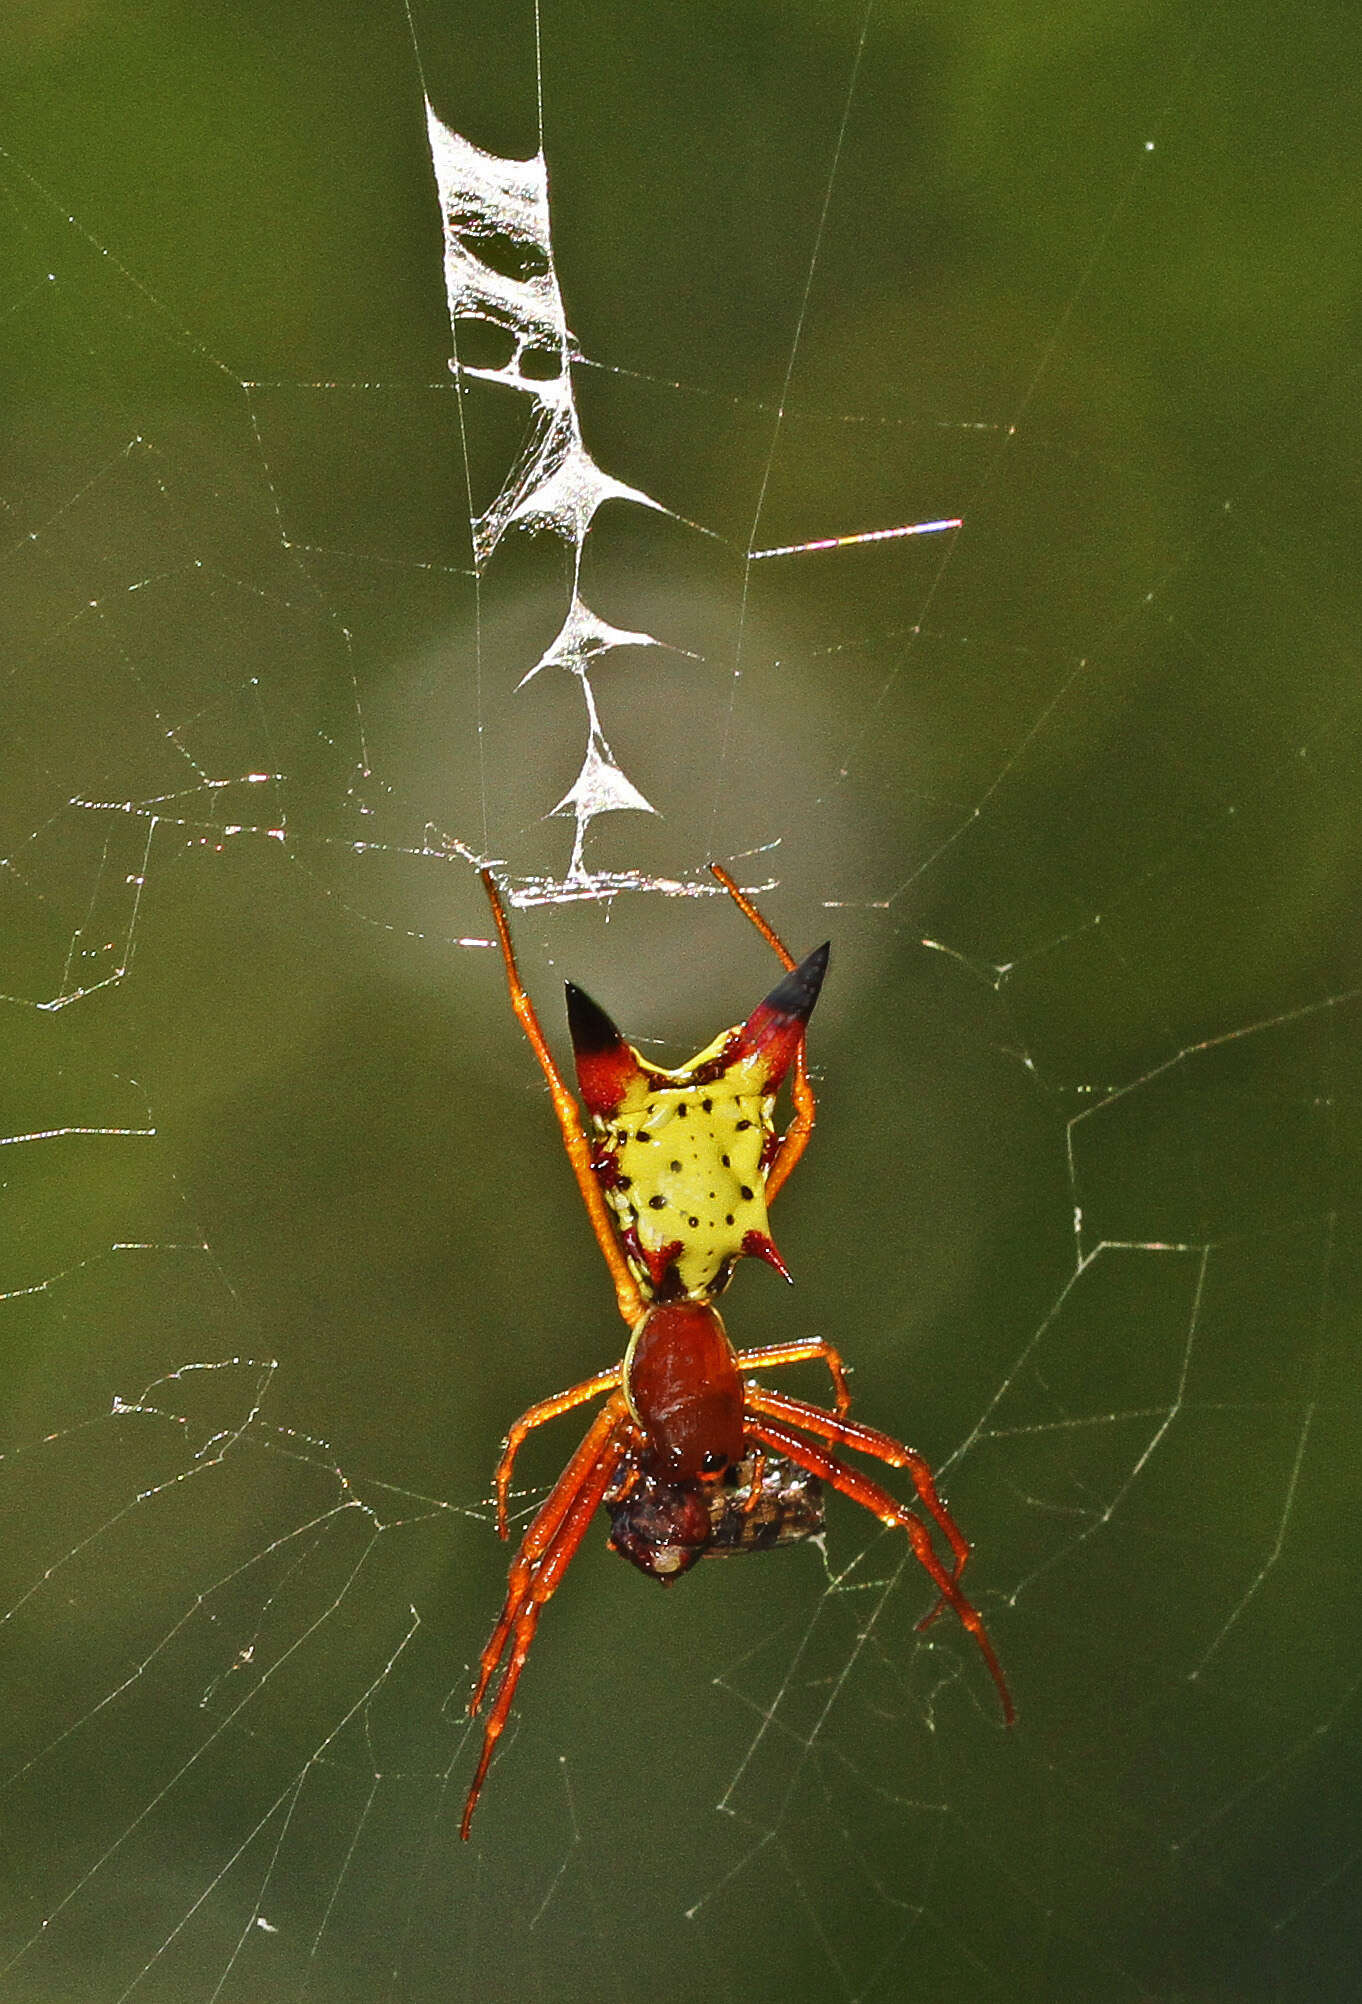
687	1454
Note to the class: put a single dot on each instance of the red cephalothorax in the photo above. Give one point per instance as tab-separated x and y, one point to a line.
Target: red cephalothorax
688	1455
681	1384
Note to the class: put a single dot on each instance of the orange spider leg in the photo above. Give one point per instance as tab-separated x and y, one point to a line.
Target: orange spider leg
796	1137
631	1302
861	1489
536	1415
813	1351
756	1480
843	1432
543	1529
749	911
537	1570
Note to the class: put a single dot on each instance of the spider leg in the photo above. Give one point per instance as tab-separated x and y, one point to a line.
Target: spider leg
843	1432
749	911
755	1480
814	1350
537	1571
543	1528
796	1137
861	1489
535	1415
631	1302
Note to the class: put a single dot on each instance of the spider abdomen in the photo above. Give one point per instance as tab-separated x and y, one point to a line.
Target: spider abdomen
687	1182
683	1386
682	1157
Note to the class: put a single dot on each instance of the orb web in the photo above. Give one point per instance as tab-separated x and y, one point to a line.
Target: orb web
965	578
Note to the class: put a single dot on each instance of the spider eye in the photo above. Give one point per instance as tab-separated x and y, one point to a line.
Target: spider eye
714	1463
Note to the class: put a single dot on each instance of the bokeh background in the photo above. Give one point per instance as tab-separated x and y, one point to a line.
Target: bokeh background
287	1235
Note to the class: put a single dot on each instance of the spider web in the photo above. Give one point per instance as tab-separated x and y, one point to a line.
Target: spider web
295	637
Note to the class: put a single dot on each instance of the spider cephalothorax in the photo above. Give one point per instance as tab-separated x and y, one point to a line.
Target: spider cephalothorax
688	1455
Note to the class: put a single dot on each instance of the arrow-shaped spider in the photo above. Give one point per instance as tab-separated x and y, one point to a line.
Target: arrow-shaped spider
676	1184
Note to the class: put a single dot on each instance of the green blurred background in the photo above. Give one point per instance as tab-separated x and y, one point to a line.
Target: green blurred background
1087	277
